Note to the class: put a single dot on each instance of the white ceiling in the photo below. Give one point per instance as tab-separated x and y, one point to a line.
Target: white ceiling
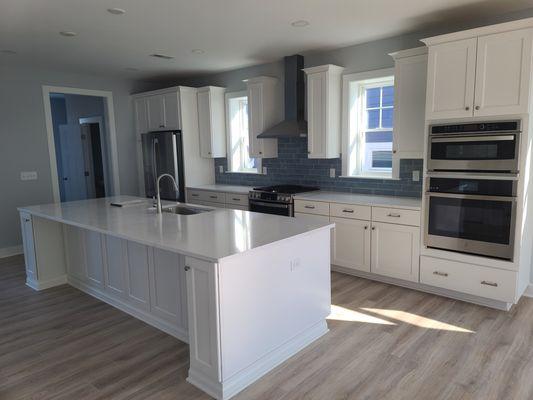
233	33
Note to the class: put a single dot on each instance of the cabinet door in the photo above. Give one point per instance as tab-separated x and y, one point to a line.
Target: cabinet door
351	243
75	252
166	286
204	124
451	76
156	113
29	246
171	120
409	108
503	73
94	258
141	115
115	266
138	288
395	251
255	118
316	114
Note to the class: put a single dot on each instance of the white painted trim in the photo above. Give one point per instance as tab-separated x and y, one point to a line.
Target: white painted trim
41	285
529	290
11	251
499	305
128	309
241	380
110	127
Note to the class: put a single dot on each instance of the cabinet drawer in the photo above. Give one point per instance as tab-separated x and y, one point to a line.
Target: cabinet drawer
213	197
396	216
237	199
350	211
311	207
193	195
481	281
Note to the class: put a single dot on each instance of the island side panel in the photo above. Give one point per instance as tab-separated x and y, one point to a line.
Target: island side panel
274	300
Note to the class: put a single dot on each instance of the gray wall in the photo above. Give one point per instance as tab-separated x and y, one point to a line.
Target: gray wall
24	145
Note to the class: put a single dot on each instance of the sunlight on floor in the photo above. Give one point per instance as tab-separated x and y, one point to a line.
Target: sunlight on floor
339	313
416	320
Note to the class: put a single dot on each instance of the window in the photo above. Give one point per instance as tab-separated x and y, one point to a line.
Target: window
370	124
238	140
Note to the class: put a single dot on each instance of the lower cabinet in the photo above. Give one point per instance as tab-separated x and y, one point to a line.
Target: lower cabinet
395	250
138	284
75	252
115	266
94	258
351	243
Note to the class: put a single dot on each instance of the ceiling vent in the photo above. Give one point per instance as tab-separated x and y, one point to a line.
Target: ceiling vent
163	56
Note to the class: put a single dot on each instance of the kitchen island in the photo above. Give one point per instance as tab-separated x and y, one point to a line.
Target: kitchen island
245	290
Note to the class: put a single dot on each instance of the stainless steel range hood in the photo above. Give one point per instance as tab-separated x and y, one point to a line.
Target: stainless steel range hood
294	124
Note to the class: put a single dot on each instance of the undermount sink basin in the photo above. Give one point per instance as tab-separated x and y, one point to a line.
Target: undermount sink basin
185	210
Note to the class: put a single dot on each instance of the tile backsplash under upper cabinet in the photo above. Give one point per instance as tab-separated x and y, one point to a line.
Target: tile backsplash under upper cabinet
293	166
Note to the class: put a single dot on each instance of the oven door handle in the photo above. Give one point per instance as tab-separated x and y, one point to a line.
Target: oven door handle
471	196
267	204
486	138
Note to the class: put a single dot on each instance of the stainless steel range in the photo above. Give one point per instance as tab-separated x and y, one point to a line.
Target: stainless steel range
277	199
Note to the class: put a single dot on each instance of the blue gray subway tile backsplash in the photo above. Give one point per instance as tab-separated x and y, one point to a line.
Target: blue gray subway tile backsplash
293	166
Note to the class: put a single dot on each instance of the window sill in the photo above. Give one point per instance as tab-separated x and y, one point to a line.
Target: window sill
383	178
242	172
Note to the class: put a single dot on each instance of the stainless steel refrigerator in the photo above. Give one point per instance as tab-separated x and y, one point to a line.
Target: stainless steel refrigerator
163	154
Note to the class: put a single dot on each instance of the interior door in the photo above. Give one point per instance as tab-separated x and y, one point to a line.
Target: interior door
88	161
503	73
451	79
72	171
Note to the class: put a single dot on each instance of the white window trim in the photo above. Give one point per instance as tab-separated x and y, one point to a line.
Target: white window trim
349	121
228	96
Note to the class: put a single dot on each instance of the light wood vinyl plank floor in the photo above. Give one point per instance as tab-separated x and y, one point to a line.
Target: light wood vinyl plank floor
385	342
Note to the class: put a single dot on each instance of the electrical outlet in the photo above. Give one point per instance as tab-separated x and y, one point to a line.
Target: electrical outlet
416	176
264	170
221	169
332	172
28	175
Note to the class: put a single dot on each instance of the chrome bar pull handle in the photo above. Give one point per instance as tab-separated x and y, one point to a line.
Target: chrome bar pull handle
440	273
395	215
493	284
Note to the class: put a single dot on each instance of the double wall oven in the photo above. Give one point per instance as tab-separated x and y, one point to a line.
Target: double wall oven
471	188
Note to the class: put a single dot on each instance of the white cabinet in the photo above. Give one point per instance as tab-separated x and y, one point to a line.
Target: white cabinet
211	121
141	115
410	68
203	317
485	75
395	250
94	258
323	111
264	99
450	81
75	252
503	73
138	283
115	262
29	247
351	243
162	111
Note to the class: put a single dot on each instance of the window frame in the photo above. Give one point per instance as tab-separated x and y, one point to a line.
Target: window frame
227	98
352	153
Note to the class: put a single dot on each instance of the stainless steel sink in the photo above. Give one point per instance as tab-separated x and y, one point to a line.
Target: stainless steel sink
185	210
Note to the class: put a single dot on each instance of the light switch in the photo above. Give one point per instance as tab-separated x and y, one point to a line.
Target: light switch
28	175
332	172
416	176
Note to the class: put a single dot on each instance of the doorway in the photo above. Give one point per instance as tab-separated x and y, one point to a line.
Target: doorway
82	143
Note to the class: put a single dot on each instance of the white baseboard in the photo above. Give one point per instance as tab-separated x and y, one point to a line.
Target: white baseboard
236	383
41	285
10	251
529	291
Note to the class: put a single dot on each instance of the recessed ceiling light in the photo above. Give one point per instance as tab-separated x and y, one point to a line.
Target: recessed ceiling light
198	51
68	33
116	11
132	69
7	51
300	23
163	56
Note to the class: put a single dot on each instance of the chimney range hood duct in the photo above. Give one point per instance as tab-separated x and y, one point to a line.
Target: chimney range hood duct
294	124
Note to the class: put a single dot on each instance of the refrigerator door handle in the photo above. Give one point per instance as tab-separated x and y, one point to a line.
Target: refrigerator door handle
155	142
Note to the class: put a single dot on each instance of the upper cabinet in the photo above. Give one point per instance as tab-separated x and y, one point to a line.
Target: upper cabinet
483	75
157	112
410	68
211	121
141	114
264	100
323	111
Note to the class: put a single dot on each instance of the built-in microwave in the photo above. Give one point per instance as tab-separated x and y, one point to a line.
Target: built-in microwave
475	147
475	216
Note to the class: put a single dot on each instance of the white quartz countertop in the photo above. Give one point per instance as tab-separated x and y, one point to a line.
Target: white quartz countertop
223	188
210	236
362	199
